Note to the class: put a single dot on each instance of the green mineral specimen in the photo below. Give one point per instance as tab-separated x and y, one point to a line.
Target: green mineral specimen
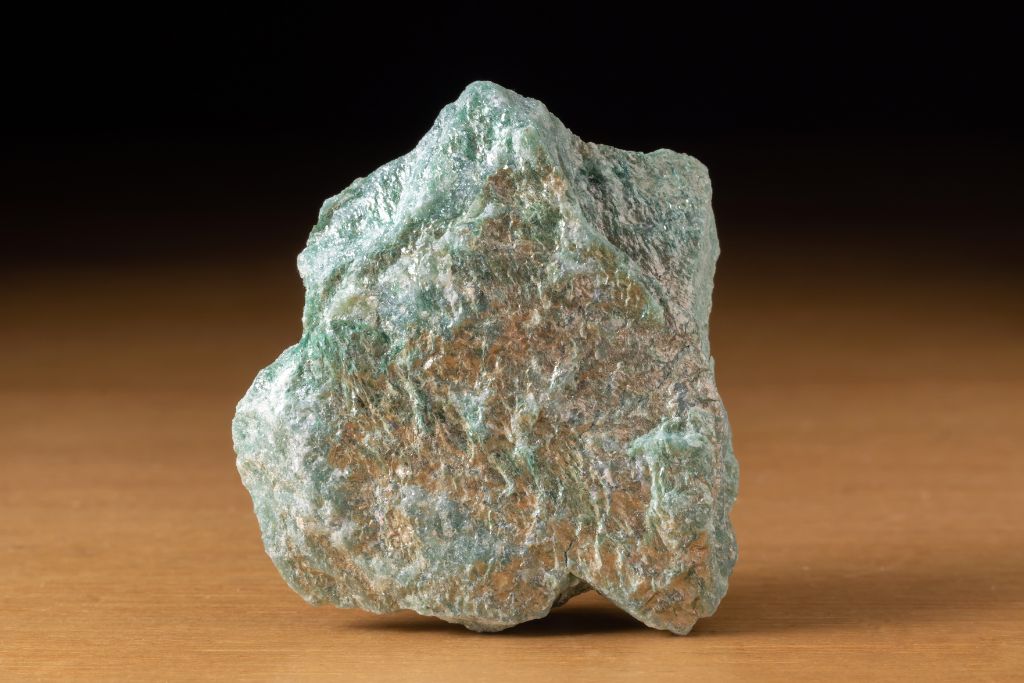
503	395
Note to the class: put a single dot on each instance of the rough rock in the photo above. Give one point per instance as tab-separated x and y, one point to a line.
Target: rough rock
503	394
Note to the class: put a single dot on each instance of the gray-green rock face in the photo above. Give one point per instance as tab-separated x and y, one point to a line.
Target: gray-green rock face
503	395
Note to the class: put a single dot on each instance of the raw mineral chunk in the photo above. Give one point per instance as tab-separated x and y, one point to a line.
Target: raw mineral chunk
503	394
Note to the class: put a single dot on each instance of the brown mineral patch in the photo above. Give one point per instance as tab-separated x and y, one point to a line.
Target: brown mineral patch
502	184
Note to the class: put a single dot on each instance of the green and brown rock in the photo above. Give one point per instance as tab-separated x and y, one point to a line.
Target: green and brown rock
503	394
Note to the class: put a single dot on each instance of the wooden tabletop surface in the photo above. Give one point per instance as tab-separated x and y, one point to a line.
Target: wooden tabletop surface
878	410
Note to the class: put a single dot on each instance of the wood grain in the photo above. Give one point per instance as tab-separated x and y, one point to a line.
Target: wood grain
878	416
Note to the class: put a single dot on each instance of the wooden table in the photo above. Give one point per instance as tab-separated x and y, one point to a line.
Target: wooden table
878	410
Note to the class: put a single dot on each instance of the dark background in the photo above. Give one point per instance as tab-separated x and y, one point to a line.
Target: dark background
217	135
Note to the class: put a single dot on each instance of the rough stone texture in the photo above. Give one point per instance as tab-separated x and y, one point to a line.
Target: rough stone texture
503	395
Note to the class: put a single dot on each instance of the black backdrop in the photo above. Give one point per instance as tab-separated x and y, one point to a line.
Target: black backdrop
218	133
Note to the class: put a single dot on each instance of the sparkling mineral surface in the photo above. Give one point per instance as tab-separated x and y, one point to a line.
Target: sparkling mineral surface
503	395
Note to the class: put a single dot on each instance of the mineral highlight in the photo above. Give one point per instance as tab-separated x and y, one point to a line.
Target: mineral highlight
503	394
